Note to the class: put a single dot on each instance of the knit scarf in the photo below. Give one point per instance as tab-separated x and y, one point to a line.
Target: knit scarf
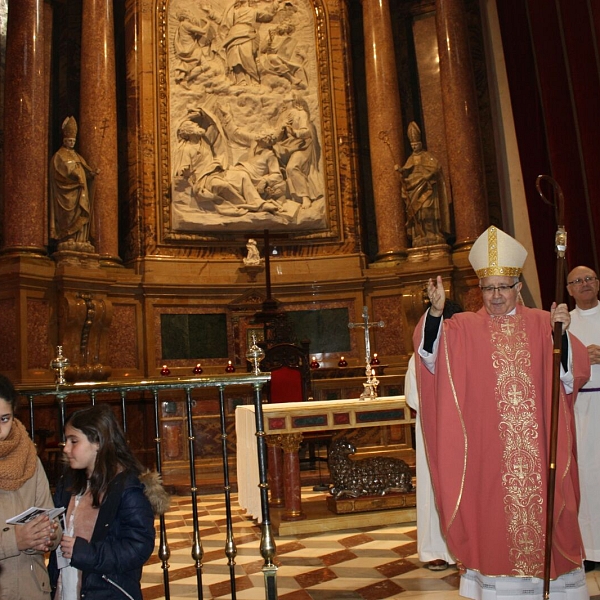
18	458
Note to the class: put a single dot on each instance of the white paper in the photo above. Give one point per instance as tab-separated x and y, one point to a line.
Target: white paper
61	561
33	512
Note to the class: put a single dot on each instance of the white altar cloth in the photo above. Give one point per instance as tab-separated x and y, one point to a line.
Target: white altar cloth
247	461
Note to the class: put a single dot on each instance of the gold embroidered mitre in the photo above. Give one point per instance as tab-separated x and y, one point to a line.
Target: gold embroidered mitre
496	253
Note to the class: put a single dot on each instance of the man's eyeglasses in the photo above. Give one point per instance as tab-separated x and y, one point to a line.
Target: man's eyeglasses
580	281
503	289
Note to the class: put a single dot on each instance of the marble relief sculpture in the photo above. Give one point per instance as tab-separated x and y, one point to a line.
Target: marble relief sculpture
71	182
192	45
282	56
240	43
298	151
424	194
214	186
244	116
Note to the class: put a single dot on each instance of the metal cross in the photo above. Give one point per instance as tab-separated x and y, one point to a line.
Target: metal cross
371	384
367	326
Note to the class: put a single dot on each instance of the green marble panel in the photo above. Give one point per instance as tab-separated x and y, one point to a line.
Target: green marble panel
327	329
193	336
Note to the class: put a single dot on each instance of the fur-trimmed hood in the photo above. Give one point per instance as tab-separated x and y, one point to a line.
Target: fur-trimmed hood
159	498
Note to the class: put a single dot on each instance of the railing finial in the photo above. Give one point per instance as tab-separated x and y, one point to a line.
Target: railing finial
60	364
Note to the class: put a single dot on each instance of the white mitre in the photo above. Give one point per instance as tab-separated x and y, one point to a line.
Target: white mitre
496	253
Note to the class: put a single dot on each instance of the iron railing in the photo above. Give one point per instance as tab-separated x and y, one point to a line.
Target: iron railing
187	385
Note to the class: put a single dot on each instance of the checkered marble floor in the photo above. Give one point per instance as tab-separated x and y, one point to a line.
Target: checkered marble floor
354	564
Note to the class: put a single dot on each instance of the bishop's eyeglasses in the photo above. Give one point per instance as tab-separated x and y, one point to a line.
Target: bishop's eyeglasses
581	280
503	289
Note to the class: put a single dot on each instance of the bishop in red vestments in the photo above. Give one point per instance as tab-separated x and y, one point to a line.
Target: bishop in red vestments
485	382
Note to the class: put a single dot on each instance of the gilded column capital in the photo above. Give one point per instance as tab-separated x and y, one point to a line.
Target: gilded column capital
273	441
291	442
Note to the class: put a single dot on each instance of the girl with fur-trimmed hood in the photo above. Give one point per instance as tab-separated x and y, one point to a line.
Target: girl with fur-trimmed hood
111	503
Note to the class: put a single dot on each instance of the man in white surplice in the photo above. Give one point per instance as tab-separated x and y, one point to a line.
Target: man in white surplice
582	285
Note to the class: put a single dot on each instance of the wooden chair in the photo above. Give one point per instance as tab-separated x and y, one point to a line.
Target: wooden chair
290	373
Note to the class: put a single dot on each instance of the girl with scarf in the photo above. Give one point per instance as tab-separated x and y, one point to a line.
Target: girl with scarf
23	484
110	504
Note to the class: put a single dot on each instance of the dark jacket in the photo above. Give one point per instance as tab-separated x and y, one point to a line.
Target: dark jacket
123	540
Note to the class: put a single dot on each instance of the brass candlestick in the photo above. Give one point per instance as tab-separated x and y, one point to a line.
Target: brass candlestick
370	391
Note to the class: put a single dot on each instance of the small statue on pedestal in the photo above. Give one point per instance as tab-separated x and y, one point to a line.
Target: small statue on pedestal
253	263
252	259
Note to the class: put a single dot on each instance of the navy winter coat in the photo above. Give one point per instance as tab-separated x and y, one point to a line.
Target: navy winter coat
123	540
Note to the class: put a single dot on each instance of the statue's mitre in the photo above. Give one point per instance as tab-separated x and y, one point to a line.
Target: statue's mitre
496	253
69	127
414	133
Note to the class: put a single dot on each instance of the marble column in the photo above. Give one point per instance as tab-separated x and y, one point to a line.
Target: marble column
459	99
291	482
385	129
98	121
25	130
275	471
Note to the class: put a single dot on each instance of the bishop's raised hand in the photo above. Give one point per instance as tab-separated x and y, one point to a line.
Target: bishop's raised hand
437	296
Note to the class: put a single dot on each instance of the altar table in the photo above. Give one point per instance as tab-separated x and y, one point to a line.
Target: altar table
286	422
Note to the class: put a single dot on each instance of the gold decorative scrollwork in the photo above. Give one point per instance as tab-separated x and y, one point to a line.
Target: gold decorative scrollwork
522	466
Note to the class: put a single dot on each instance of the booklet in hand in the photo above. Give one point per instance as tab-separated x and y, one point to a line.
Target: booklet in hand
33	512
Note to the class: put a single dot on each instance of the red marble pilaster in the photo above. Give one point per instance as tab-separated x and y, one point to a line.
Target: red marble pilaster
98	121
275	474
385	127
25	130
291	481
459	99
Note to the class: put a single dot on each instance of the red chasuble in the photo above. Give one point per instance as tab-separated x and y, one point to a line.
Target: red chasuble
486	421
